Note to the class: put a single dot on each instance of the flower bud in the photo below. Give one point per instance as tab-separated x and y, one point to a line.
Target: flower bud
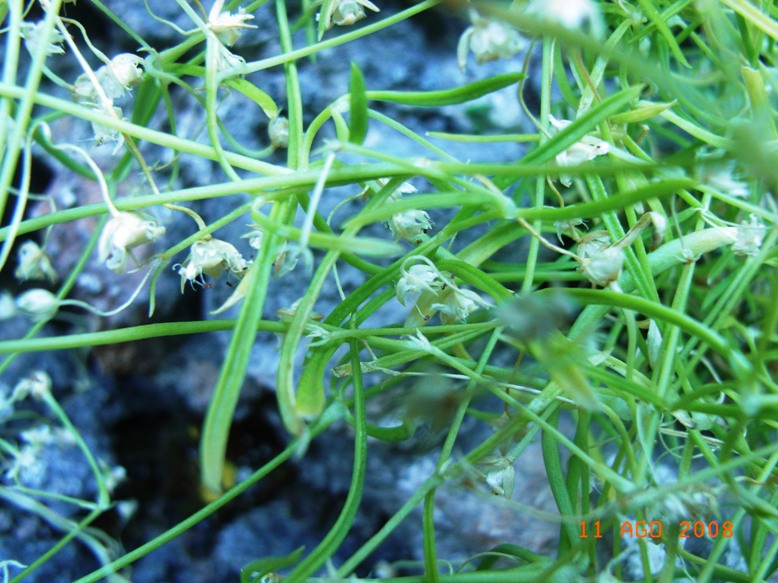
39	304
278	130
489	40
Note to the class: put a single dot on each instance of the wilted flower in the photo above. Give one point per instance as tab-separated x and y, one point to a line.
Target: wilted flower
123	232
209	256
34	263
228	26
489	40
346	12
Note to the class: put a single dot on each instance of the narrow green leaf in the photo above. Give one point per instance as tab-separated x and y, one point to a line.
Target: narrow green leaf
322	19
256	95
583	125
645	110
358	107
661	26
255	570
453	96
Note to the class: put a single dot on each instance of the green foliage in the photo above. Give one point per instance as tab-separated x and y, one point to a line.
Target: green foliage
672	130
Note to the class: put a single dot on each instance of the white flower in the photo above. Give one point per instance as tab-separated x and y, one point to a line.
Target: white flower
37	386
346	12
26	467
34	263
405	188
455	305
229	64
417	279
255	238
603	267
420	341
721	176
108	135
500	476
39	304
410	225
228	26
123	232
126	69
600	262
209	256
587	148
489	40
114	476
40	435
33	38
121	74
568	227
570	14
592	243
749	237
